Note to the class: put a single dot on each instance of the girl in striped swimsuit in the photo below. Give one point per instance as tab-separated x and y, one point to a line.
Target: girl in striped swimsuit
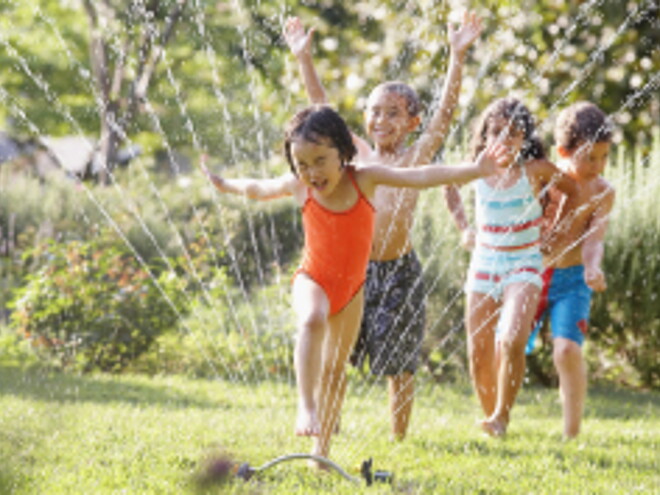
504	278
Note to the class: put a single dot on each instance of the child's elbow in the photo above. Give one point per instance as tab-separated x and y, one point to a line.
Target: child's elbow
253	191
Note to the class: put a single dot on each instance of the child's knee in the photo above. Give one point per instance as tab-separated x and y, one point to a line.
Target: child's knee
566	352
312	321
513	343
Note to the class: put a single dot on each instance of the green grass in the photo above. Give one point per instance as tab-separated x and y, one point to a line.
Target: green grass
64	434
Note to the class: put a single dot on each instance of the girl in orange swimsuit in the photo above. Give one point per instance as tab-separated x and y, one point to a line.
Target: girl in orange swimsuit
338	221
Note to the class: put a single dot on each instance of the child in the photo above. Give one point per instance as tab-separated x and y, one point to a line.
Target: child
573	251
504	278
338	221
393	325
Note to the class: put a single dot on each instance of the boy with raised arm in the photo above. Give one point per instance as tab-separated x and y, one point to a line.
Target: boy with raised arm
394	315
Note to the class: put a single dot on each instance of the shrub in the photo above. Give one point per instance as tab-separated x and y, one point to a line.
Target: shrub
626	318
233	335
92	305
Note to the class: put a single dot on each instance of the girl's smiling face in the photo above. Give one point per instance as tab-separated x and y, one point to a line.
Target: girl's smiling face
504	131
318	164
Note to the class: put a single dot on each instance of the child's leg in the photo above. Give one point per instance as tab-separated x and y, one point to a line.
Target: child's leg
481	315
569	362
520	303
342	333
311	306
401	392
569	316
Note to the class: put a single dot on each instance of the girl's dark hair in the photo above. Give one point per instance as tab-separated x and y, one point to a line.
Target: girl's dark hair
519	115
315	124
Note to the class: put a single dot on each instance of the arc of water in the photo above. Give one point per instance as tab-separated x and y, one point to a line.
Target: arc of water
43	85
190	127
216	85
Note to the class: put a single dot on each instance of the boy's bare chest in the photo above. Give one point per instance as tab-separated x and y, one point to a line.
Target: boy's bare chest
397	201
579	211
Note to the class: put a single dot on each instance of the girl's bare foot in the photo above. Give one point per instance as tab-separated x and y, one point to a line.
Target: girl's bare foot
495	427
318	466
320	452
307	424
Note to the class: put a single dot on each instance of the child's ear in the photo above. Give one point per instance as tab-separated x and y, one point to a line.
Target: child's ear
414	123
563	152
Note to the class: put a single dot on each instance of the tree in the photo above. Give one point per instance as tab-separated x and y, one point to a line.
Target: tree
122	32
172	74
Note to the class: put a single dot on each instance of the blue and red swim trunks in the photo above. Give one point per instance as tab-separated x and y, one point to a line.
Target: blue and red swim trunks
566	300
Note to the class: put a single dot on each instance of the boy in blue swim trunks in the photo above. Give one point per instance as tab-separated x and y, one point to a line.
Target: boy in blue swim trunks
573	250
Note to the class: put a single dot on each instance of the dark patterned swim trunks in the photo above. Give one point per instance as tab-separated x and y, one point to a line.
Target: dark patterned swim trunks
394	317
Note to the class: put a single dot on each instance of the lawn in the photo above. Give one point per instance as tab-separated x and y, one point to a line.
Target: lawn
64	434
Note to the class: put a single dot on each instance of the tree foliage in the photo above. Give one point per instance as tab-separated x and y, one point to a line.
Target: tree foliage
187	74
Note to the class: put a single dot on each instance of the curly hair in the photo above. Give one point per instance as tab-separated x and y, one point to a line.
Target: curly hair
519	115
580	123
315	124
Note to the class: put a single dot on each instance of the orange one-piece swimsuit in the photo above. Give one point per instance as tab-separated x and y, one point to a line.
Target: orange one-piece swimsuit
337	246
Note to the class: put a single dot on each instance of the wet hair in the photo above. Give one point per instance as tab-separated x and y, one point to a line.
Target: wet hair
413	103
519	115
580	123
319	124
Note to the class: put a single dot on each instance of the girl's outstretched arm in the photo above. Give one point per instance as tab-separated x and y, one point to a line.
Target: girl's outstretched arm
495	155
262	189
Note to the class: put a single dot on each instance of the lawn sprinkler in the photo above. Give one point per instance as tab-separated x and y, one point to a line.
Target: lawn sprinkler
245	471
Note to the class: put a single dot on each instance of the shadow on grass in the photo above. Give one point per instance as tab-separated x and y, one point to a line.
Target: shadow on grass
15	459
619	403
44	385
603	401
7	483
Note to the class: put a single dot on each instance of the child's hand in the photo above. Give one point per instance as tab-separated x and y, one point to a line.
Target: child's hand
460	39
215	180
595	279
494	156
299	42
202	165
468	237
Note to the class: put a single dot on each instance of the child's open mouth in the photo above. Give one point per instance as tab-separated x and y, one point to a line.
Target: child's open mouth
319	185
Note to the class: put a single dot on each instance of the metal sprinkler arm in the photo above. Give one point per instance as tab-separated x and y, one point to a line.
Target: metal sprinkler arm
246	472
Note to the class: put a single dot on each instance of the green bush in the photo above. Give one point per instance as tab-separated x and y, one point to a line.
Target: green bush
626	318
93	306
233	335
